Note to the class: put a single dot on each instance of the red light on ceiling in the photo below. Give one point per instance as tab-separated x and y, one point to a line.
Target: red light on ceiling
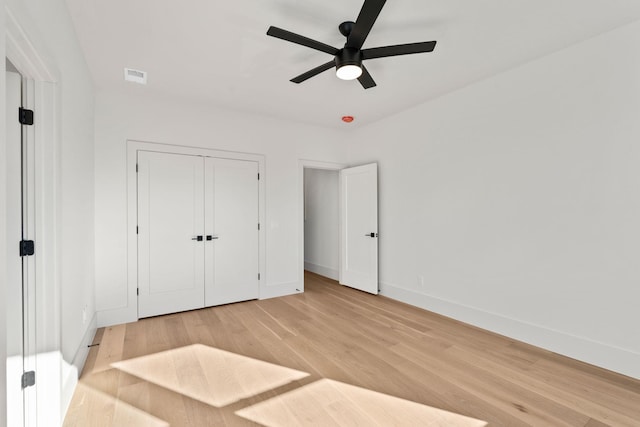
347	119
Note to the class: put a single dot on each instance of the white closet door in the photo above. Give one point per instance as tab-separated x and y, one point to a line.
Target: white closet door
231	221
170	217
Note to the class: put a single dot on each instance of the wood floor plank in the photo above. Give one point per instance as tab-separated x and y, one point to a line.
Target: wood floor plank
111	348
335	333
589	401
135	340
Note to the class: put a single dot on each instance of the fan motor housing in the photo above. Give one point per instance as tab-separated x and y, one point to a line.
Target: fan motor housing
349	56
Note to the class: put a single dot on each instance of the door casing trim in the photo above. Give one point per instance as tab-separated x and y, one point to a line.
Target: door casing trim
28	53
128	312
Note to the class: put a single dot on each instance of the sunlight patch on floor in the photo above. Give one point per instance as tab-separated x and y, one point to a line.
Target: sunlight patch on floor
87	402
328	402
212	376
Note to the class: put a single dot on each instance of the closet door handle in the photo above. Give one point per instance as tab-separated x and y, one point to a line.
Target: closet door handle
209	237
198	238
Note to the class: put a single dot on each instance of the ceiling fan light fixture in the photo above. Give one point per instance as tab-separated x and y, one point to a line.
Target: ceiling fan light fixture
349	72
348	60
348	64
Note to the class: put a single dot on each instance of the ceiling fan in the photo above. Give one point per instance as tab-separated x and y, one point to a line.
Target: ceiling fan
348	60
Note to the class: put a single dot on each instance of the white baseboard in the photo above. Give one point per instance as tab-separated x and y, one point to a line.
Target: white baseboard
616	359
71	372
69	383
329	272
129	314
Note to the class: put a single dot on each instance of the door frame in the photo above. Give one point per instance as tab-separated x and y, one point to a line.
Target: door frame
129	312
28	54
313	164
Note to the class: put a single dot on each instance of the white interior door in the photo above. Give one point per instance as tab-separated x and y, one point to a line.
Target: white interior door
170	219
359	231
15	327
20	226
231	224
29	233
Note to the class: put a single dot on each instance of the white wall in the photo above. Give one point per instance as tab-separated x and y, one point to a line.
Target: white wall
518	201
321	223
143	118
76	172
49	30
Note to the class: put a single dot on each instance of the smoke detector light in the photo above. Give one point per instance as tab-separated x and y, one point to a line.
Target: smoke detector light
135	76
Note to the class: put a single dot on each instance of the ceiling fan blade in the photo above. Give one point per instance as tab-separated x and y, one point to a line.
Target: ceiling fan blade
311	73
367	17
365	79
399	49
302	40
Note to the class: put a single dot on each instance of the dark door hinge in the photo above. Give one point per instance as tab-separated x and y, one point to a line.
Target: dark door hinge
258	177
258	226
137	230
27	248
28	379
25	116
136	168
137	291
258	276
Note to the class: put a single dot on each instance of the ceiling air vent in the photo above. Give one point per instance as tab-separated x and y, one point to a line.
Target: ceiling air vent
135	76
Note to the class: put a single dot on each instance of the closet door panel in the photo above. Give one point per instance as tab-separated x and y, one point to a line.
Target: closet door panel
170	217
231	219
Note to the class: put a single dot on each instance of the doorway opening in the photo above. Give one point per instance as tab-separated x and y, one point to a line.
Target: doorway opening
319	248
356	228
322	222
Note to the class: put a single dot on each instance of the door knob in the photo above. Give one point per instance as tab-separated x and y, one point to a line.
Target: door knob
198	238
210	237
371	235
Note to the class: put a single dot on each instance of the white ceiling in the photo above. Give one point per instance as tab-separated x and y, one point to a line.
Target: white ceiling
216	52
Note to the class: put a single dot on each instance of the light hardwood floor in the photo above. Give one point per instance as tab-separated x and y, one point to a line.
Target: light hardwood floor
336	356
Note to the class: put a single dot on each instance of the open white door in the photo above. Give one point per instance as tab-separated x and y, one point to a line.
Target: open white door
171	243
21	237
14	289
29	262
359	231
